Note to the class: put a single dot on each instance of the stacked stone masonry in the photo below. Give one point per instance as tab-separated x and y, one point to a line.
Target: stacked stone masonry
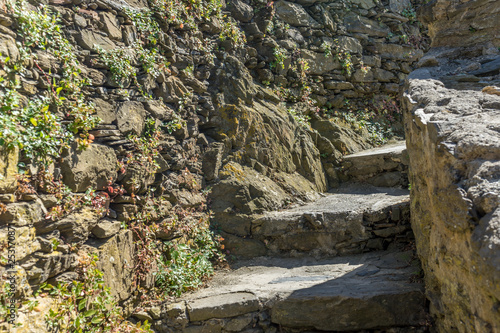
236	136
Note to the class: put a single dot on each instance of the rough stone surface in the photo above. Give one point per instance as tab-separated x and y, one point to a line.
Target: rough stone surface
116	261
339	223
8	169
386	166
453	23
295	15
360	292
454	148
222	306
92	167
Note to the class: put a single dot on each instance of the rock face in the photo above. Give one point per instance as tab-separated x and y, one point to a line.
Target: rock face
227	114
455	23
454	148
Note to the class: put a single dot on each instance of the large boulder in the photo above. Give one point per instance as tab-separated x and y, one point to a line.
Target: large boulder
93	167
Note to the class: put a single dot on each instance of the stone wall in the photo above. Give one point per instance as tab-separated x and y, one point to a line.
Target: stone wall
452	127
221	116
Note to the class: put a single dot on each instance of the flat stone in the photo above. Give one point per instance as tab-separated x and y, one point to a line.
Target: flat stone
368	291
319	63
88	39
222	306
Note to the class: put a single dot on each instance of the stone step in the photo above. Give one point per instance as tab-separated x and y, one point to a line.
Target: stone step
375	290
386	166
352	219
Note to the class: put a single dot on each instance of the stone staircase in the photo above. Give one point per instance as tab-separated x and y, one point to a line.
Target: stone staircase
344	263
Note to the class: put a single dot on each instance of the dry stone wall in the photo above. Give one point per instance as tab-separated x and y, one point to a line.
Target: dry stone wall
452	106
224	120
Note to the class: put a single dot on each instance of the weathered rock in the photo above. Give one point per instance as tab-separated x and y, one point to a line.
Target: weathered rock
335	224
222	306
116	261
305	294
240	10
454	148
88	39
455	24
106	228
130	117
23	214
360	24
105	111
343	138
386	166
74	228
172	90
136	179
8	169
319	63
93	167
111	25
294	14
8	47
365	4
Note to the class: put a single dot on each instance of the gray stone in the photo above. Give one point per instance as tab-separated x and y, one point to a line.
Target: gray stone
93	167
334	85
295	15
74	228
8	47
130	117
319	63
240	10
354	304
22	214
222	306
360	24
212	162
382	75
365	4
106	228
352	45
111	25
398	6
116	261
489	68
105	111
88	39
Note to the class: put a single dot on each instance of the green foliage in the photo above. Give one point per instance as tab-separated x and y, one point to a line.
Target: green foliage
145	23
184	267
36	125
86	305
280	55
119	61
376	117
410	13
302	119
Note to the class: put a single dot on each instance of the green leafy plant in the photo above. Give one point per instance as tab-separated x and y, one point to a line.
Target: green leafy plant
86	305
280	55
46	123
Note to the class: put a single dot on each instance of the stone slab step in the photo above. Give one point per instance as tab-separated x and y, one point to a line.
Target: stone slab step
375	290
352	219
386	166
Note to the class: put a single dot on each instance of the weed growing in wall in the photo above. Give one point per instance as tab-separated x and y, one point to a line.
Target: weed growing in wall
86	305
36	125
